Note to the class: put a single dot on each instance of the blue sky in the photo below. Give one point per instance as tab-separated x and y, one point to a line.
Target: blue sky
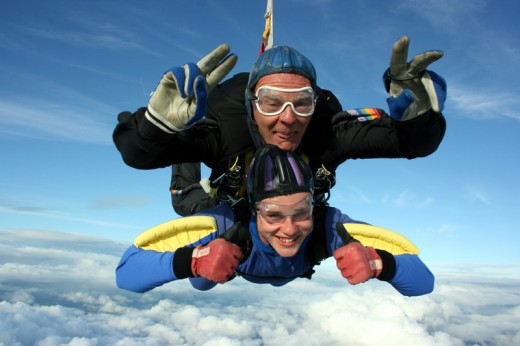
69	206
68	68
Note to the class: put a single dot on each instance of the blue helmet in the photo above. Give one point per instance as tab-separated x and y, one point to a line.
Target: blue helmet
276	172
281	59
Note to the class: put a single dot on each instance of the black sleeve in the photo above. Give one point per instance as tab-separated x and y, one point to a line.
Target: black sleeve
421	136
186	178
144	146
383	137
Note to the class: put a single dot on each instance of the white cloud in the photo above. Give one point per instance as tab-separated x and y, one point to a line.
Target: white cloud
33	209
477	194
58	288
453	16
107	38
448	230
41	118
484	105
118	202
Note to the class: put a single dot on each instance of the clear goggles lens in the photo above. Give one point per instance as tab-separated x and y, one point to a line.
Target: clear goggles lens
271	101
276	214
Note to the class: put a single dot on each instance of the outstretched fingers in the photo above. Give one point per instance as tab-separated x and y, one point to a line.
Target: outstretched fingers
210	61
421	61
400	69
221	71
398	60
215	66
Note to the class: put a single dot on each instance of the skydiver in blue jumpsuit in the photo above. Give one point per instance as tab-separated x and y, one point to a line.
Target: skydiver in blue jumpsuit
282	227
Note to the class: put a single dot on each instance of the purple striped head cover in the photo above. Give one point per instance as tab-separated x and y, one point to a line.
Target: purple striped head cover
276	172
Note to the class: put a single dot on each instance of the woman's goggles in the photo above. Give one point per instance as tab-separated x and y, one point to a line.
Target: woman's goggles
275	214
271	101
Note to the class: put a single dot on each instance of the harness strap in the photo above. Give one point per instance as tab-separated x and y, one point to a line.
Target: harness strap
317	250
239	233
324	180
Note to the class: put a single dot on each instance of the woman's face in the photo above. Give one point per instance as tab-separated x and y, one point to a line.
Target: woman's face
283	222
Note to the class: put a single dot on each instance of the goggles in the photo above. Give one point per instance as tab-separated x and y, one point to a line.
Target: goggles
276	214
271	101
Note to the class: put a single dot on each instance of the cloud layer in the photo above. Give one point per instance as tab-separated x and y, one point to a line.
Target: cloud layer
58	288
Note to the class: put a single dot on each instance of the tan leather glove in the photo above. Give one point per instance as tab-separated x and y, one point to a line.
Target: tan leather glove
181	97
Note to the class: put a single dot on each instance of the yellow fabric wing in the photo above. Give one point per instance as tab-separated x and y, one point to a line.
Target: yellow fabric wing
174	234
381	238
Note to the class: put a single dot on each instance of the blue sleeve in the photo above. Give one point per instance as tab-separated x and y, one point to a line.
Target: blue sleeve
412	277
142	270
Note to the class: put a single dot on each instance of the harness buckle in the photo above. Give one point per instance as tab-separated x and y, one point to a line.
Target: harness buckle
324	181
228	184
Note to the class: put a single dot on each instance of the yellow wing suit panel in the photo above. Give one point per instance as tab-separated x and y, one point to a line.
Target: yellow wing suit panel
381	238
174	234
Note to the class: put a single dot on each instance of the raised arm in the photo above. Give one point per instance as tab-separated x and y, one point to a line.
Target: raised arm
415	126
172	129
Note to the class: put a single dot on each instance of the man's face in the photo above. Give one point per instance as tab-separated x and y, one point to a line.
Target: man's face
286	129
285	221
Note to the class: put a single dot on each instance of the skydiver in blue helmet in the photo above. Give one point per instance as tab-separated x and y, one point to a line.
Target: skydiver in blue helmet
282	239
193	117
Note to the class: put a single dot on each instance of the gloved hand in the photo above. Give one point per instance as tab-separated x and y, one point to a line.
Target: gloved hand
216	261
412	89
239	233
356	262
181	97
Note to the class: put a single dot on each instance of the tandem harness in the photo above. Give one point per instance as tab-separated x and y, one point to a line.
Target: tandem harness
230	187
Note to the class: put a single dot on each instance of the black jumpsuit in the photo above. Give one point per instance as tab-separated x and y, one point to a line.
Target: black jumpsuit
225	138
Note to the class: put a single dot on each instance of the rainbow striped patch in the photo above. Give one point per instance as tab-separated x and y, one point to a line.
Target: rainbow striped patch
365	114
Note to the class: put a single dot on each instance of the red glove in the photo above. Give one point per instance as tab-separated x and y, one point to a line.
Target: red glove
358	263
216	261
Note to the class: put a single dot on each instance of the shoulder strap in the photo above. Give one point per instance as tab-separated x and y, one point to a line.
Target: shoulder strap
239	233
317	250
